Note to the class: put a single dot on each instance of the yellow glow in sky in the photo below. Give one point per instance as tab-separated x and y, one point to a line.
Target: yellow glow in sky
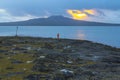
77	14
80	15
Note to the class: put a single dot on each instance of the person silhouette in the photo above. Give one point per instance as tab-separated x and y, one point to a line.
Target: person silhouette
58	36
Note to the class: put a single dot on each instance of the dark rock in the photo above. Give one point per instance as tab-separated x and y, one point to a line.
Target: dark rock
63	75
10	68
3	51
16	62
37	77
67	51
41	67
32	77
14	74
48	46
18	48
111	59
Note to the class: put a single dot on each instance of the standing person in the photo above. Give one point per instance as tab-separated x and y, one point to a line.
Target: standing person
16	31
58	36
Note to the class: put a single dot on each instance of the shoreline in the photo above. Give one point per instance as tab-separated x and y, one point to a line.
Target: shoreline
37	37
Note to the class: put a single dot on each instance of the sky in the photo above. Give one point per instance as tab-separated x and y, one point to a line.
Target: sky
91	10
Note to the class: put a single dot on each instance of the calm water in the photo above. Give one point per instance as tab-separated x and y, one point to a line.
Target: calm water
106	35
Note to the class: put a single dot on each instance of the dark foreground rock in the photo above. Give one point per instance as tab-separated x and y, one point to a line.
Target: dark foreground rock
27	58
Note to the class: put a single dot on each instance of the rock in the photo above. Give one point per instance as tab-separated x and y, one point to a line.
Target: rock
3	51
28	48
111	59
66	71
13	74
58	59
41	57
37	77
16	62
1	57
18	48
88	73
95	58
9	68
14	45
7	44
39	49
67	51
28	62
31	77
48	45
24	69
69	62
67	47
64	74
9	57
41	68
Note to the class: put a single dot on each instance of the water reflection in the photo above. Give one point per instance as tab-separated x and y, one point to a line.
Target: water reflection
81	35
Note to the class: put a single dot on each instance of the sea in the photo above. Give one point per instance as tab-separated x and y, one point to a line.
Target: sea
109	35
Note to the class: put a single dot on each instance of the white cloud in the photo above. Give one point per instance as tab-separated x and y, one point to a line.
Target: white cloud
6	16
103	15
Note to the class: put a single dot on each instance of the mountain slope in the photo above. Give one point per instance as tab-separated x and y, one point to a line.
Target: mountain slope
56	21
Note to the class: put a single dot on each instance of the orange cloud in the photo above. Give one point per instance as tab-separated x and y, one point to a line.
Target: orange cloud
80	14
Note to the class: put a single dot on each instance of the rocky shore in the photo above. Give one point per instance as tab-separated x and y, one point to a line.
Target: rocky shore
28	58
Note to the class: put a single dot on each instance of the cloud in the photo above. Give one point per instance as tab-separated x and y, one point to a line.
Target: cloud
6	16
103	15
81	14
97	15
77	14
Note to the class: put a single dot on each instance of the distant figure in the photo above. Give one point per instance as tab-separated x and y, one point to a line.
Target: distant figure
16	31
58	36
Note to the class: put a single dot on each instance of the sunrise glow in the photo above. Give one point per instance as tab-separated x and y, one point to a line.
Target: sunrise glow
81	14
